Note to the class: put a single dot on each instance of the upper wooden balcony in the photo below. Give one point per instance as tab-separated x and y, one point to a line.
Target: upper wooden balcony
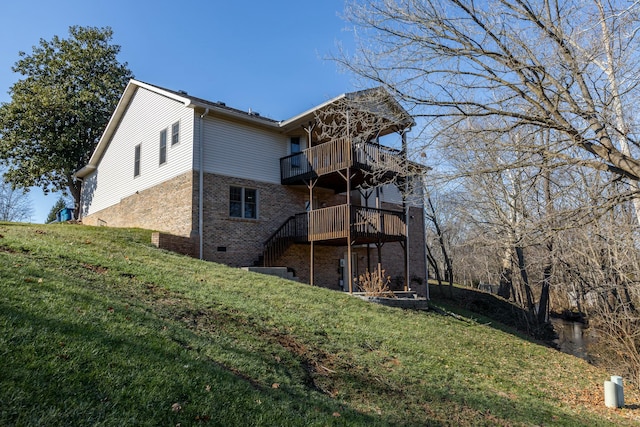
369	162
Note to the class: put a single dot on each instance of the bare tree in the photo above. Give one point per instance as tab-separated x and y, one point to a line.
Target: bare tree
567	66
485	78
15	204
440	240
496	200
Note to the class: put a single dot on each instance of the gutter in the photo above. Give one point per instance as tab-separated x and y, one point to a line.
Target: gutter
80	174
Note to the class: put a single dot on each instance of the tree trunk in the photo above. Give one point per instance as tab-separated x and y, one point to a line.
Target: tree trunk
524	275
436	269
543	306
621	125
448	265
75	188
506	276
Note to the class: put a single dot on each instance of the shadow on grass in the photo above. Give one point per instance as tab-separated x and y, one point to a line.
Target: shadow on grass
60	371
494	311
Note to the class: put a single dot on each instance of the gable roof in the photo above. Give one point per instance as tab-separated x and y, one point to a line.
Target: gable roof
221	109
374	101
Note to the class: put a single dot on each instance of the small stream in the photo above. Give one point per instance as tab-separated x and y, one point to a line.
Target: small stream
573	338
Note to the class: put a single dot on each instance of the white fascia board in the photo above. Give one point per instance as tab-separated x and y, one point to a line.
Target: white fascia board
215	108
84	171
184	99
310	112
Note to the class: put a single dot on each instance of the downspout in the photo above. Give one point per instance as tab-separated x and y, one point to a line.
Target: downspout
201	187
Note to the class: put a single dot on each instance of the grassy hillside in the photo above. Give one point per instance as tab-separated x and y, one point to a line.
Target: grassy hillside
97	327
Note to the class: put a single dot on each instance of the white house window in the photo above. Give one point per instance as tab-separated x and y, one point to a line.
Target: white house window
136	161
175	133
243	202
163	146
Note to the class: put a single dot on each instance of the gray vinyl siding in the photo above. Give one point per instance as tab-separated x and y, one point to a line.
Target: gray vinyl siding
240	150
147	114
392	194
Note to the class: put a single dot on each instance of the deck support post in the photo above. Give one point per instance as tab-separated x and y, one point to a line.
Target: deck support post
310	185
366	195
348	222
405	207
311	264
379	247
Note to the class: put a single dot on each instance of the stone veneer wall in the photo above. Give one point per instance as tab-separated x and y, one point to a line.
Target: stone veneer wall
166	207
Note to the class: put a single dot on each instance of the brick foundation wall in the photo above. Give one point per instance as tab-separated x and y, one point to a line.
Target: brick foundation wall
172	208
239	242
326	273
171	242
166	207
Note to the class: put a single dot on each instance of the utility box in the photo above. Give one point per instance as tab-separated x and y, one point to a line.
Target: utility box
64	214
614	392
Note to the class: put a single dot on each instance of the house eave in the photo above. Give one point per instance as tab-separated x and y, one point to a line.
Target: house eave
186	100
82	173
294	123
303	118
222	111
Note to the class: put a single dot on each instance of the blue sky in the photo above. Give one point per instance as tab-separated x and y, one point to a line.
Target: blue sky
267	56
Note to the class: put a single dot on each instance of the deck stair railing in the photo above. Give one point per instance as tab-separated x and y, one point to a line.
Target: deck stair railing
293	230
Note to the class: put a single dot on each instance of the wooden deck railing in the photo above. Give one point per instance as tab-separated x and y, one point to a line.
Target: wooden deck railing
371	222
339	154
375	157
328	223
334	222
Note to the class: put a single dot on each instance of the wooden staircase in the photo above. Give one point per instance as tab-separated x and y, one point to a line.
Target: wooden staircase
293	230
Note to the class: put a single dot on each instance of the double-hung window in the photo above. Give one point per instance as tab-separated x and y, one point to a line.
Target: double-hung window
243	202
136	161
175	133
163	146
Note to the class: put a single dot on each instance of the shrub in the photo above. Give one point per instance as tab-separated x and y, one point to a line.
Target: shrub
375	283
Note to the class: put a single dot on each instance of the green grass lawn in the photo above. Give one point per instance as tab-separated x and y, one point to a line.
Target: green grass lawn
98	327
